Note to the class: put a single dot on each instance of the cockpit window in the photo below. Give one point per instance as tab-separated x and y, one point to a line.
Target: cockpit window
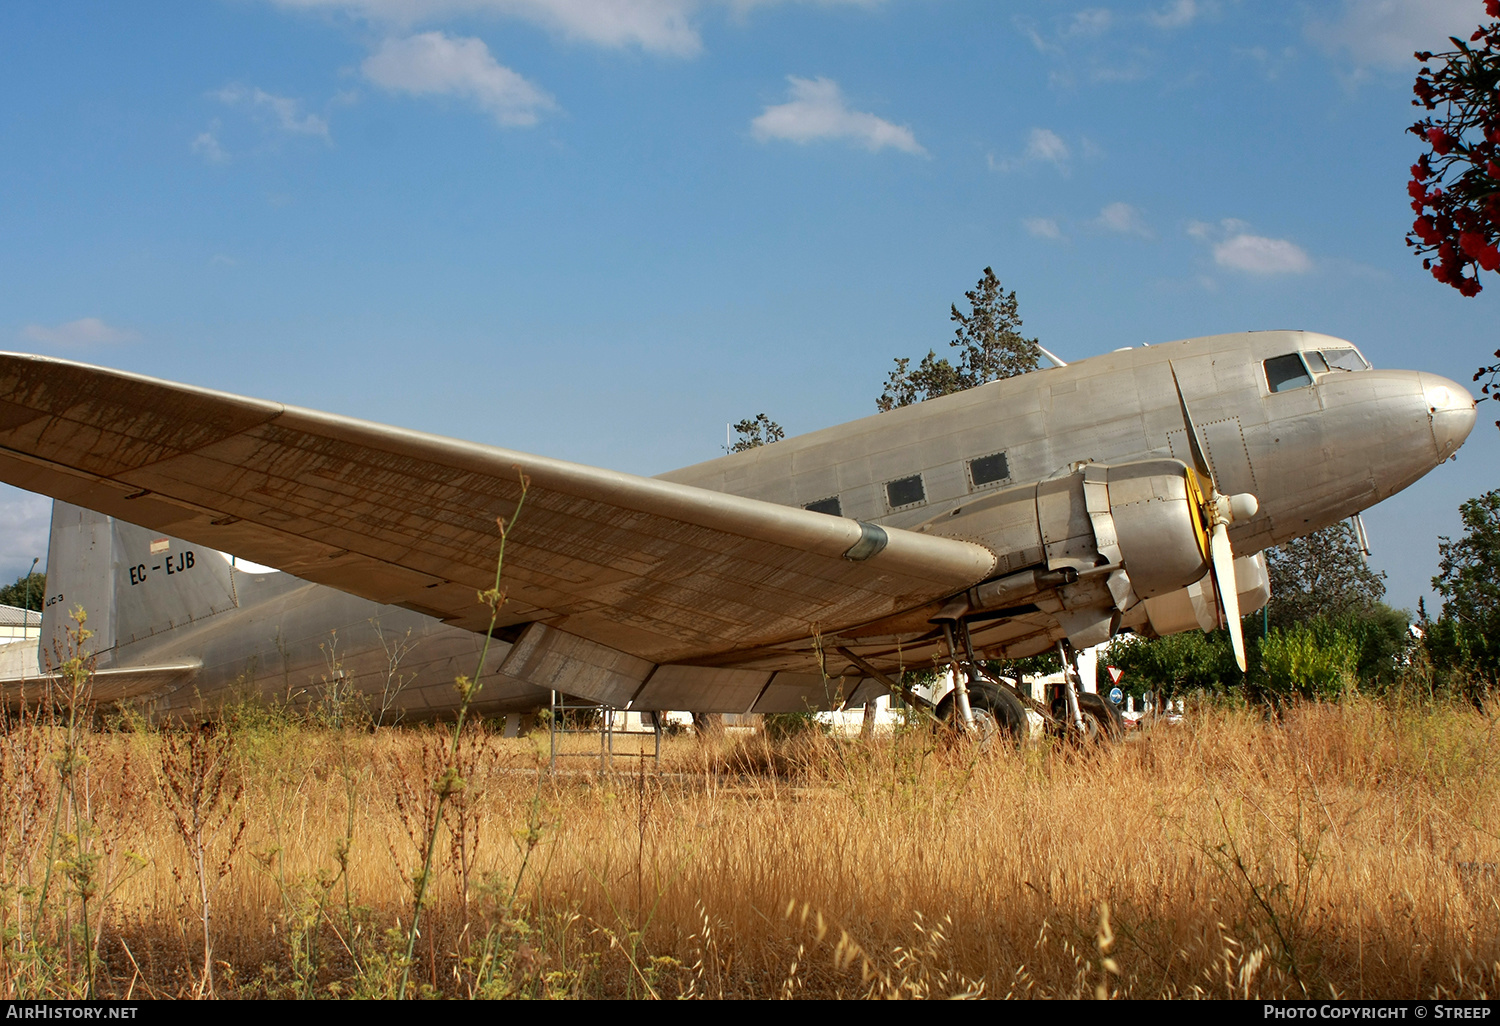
1284	373
1315	363
1345	359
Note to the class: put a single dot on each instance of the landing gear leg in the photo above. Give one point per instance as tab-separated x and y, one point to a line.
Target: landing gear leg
1070	684
960	681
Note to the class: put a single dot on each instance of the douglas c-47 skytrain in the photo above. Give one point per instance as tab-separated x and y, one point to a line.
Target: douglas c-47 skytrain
1134	490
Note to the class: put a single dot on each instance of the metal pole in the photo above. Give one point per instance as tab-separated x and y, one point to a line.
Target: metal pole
26	609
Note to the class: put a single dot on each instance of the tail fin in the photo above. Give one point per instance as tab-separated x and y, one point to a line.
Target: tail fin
132	584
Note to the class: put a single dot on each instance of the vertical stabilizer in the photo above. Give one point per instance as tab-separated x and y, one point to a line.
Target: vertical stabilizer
162	583
80	575
135	585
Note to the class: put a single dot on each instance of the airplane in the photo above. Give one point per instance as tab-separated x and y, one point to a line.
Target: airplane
1132	491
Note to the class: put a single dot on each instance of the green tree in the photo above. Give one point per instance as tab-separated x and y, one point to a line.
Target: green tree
27	593
1175	664
761	430
989	343
1467	635
1322	575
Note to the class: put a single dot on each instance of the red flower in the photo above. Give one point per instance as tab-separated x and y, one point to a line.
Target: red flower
1492	8
1441	141
1426	231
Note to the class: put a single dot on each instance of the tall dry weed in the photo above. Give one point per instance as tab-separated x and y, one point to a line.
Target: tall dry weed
1341	849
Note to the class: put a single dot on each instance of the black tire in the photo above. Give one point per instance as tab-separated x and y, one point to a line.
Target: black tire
1000	706
1101	720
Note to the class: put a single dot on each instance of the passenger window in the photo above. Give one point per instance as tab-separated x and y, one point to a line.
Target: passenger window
1345	360
989	469
906	491
1284	373
829	505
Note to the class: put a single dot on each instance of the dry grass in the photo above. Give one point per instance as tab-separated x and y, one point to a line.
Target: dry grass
1344	850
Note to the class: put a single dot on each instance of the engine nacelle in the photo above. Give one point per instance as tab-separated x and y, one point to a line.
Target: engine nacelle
1141	524
1195	606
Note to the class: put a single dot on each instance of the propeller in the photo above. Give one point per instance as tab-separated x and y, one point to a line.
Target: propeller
1220	511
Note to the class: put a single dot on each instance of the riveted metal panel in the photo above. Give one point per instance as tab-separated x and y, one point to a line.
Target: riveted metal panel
701	689
550	659
804	692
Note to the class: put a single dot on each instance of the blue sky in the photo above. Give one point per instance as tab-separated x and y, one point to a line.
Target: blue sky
601	229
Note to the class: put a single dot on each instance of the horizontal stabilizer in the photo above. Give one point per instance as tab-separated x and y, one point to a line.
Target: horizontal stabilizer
108	686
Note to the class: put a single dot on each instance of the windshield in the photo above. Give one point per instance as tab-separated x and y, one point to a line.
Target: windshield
1345	360
1284	373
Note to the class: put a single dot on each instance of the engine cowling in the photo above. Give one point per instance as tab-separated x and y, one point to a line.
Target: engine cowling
1142	524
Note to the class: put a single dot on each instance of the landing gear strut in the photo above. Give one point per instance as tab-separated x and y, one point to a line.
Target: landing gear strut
1094	718
977	704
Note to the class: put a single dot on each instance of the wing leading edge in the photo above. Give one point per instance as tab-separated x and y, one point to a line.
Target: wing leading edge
664	572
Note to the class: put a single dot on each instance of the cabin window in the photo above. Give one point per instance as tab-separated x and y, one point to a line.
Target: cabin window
1345	360
989	469
829	505
905	491
1284	373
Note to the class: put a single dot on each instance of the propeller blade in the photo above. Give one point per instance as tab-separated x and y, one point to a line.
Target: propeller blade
1229	593
1195	444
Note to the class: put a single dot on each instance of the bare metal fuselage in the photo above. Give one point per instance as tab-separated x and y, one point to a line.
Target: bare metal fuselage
1312	455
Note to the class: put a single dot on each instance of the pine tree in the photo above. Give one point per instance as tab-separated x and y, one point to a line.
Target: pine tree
989	343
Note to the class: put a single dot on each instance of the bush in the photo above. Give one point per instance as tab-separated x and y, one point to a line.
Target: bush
1308	661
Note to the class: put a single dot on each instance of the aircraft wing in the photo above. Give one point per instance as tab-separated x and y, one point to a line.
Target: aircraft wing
664	572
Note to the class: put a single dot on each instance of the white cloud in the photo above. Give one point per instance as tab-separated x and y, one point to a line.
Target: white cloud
435	64
284	112
1042	227
817	110
207	146
1124	219
82	332
1045	144
1385	33
1256	254
1236	248
1092	21
1174	15
1209	230
656	26
1042	146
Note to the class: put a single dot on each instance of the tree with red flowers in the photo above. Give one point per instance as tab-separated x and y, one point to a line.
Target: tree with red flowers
1455	186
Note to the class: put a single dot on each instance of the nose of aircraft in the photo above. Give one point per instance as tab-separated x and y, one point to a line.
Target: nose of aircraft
1450	408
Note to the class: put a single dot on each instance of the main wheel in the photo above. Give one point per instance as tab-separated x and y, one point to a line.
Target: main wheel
995	711
1101	720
